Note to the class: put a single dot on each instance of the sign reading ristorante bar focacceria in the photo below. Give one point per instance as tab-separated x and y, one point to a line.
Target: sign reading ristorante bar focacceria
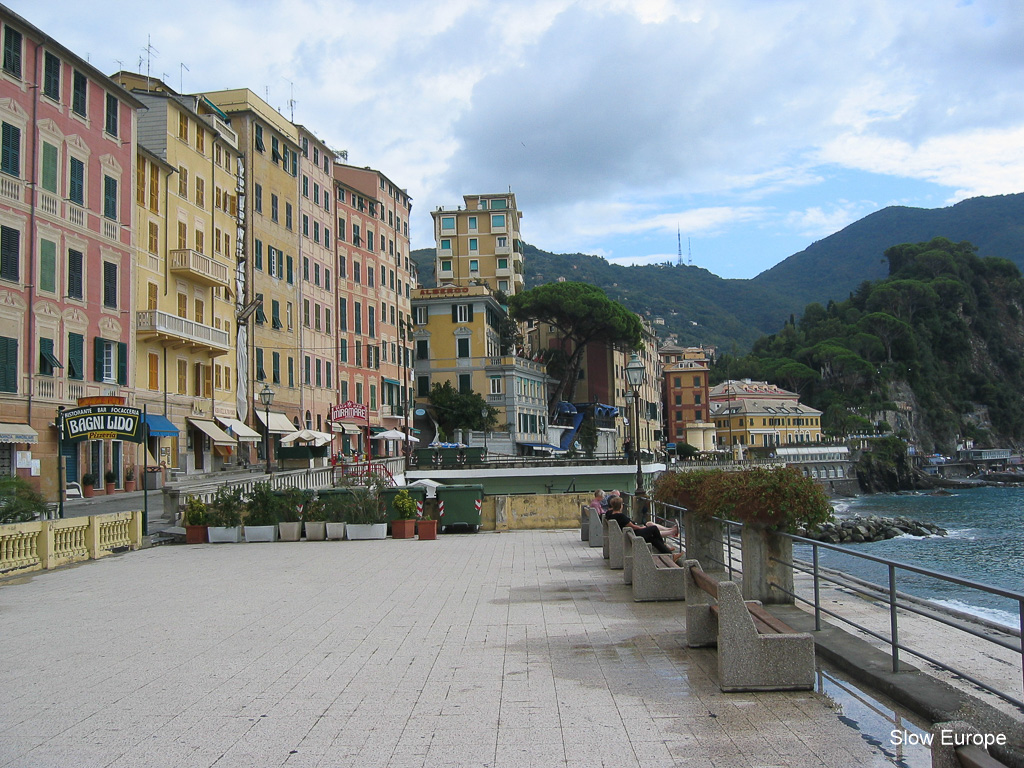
102	422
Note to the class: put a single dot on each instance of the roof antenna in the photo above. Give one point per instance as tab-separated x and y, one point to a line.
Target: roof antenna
291	99
182	69
150	51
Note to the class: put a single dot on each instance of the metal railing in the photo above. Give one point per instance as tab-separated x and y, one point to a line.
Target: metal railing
893	599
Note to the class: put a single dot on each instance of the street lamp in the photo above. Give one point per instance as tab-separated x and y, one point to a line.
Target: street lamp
484	413
635	372
266	397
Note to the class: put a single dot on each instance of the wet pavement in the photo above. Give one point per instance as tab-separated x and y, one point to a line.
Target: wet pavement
496	649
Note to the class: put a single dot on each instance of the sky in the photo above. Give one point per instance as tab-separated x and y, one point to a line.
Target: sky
740	130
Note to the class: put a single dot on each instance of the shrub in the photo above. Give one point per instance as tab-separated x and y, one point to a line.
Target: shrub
225	510
778	498
195	512
404	505
20	502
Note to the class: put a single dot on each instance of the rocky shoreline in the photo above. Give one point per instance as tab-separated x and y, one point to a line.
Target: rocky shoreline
856	530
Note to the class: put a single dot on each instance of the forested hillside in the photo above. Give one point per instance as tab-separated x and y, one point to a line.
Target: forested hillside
934	350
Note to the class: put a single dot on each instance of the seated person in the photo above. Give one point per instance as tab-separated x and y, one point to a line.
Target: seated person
598	502
652	533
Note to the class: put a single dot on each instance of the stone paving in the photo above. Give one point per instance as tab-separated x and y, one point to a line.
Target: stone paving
510	649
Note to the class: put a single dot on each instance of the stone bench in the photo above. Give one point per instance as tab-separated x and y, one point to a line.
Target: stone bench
965	747
615	536
584	522
596	529
628	540
756	651
656	576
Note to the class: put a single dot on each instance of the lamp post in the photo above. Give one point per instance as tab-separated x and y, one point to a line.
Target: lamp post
484	413
266	397
635	372
405	333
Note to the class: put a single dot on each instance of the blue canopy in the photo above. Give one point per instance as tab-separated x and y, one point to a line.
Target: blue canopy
160	426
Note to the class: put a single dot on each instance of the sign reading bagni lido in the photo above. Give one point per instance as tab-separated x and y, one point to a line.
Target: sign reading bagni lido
101	418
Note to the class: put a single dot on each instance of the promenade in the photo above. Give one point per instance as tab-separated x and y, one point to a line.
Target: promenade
510	649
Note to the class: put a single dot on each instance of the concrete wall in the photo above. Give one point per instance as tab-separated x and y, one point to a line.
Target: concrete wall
532	511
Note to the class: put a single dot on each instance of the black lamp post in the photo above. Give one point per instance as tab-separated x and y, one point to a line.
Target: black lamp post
635	372
266	397
484	413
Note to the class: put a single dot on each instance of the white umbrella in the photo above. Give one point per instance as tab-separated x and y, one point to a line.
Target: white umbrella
394	434
307	436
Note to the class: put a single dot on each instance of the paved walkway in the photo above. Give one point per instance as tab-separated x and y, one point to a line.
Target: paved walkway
511	649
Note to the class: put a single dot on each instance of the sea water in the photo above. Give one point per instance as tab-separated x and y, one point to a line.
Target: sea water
984	543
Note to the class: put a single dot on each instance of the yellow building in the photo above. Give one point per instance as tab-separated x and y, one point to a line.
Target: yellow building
481	243
756	414
269	346
456	332
186	214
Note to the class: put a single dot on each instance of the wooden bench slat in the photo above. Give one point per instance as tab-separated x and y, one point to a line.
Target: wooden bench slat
705	582
771	623
665	561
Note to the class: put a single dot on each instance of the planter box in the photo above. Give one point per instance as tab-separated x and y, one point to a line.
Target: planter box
317	531
219	535
196	534
254	533
372	531
427	530
403	529
290	531
335	531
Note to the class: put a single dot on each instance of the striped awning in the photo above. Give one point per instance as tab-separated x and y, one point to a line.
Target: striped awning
17	433
220	437
240	431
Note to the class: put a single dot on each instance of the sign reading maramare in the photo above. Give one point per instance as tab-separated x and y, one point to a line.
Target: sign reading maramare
102	422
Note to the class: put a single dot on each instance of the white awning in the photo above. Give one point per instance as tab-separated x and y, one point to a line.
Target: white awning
17	433
346	429
240	431
279	423
215	433
318	439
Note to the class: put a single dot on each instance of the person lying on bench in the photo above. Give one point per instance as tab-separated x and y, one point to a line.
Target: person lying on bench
652	533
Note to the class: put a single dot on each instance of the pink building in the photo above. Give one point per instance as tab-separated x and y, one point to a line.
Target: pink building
66	207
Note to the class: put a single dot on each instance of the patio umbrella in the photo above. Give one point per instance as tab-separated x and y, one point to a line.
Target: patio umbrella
394	434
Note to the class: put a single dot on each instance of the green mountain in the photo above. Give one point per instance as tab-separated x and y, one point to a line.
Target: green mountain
701	308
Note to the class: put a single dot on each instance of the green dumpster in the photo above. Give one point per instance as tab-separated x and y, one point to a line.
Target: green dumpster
461	504
418	493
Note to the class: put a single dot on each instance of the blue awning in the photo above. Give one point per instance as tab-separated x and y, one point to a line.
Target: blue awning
392	382
160	426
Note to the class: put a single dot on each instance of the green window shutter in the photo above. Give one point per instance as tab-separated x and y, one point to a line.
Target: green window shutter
10	157
98	345
470	312
110	198
78	97
76	185
49	180
8	364
122	363
45	356
291	371
47	266
75	274
455	313
260	373
110	284
76	356
258	255
291	275
10	253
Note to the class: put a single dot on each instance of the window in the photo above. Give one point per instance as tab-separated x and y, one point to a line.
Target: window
342	314
305	225
183	182
276	368
76	274
422	349
495	382
474	265
370	275
261	373
258	138
182	377
422	386
501	242
275	314
152	292
258	255
357	272
472	223
465	383
200	192
12	57
447	222
257	198
327	320
462	313
110	361
76	181
200	140
316	274
10	151
327	279
290	274
110	125
343	350
110	198
306	367
462	347
261	316
51	76
446	244
48	266
8	354
10	253
473	245
358	317
420	314
446	265
371	322
273	207
305	312
318	371
79	93
110	284
696	381
76	356
275	149
288	215
48	362
497	220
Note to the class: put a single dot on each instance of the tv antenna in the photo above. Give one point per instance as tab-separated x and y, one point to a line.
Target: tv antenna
182	69
291	99
679	242
150	52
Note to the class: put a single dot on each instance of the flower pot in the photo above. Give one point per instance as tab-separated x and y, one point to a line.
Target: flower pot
217	534
108	488
427	530
129	486
290	531
255	533
371	531
335	531
196	534
317	531
403	529
88	491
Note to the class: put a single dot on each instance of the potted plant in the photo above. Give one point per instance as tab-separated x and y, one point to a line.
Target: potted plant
314	517
224	516
88	485
290	514
426	526
404	527
367	518
262	514
195	521
109	478
129	478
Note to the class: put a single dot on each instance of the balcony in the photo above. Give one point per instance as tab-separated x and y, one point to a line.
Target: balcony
199	268
49	204
502	250
176	332
12	188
